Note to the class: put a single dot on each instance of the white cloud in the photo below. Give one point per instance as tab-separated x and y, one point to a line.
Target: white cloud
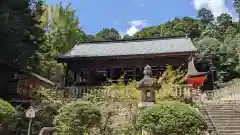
136	25
216	6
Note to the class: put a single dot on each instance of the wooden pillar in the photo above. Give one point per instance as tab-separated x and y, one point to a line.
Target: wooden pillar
66	76
74	78
134	73
111	74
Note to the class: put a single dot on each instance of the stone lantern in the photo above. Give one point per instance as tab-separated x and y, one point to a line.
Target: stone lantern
146	86
148	92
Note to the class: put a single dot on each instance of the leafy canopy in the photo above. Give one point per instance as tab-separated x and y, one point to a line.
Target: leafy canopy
21	34
76	118
8	116
171	118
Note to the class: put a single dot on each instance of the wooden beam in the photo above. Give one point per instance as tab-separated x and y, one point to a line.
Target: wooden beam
129	63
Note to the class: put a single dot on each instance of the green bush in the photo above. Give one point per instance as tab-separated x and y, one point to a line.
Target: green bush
77	117
8	116
170	85
171	118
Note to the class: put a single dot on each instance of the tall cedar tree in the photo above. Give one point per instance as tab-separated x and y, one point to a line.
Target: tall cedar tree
21	34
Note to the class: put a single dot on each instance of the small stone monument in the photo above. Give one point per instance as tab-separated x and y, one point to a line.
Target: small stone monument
146	86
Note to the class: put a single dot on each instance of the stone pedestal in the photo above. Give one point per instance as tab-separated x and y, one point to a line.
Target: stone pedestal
145	104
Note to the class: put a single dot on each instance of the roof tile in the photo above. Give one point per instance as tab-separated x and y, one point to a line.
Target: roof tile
120	48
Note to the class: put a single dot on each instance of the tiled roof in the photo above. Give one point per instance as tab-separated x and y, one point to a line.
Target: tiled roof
42	78
134	47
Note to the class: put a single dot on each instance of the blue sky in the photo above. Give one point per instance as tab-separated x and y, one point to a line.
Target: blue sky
129	16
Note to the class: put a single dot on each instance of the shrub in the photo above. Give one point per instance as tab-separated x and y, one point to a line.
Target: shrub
170	85
171	118
118	104
8	116
77	117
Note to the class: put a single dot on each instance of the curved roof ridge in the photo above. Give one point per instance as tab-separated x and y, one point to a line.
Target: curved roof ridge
130	40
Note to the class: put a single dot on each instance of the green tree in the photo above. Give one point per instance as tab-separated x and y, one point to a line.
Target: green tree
126	37
236	4
21	34
209	50
90	38
176	27
171	118
108	34
230	32
224	55
230	67
205	15
210	31
76	118
169	84
8	117
118	104
224	21
62	34
148	32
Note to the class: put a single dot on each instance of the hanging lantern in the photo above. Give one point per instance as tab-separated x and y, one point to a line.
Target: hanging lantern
195	78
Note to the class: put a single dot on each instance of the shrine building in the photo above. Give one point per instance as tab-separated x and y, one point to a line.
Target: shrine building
96	62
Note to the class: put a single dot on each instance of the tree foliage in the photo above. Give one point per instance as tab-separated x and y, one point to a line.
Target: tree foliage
171	118
77	118
214	36
62	33
108	34
8	117
205	15
118	104
170	85
21	34
223	55
176	27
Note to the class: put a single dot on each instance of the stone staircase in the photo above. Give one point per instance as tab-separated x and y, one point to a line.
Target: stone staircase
223	116
211	128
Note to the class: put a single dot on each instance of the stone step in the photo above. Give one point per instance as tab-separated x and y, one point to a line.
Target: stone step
223	111
225	104
229	131
226	117
209	123
227	108
236	127
233	113
227	124
222	106
222	101
225	121
229	134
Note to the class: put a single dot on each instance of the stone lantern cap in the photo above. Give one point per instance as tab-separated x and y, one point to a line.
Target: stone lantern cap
148	80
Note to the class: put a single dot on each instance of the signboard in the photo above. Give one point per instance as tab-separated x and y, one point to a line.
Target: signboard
31	112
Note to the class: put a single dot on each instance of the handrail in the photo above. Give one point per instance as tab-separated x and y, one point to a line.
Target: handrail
226	92
210	118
